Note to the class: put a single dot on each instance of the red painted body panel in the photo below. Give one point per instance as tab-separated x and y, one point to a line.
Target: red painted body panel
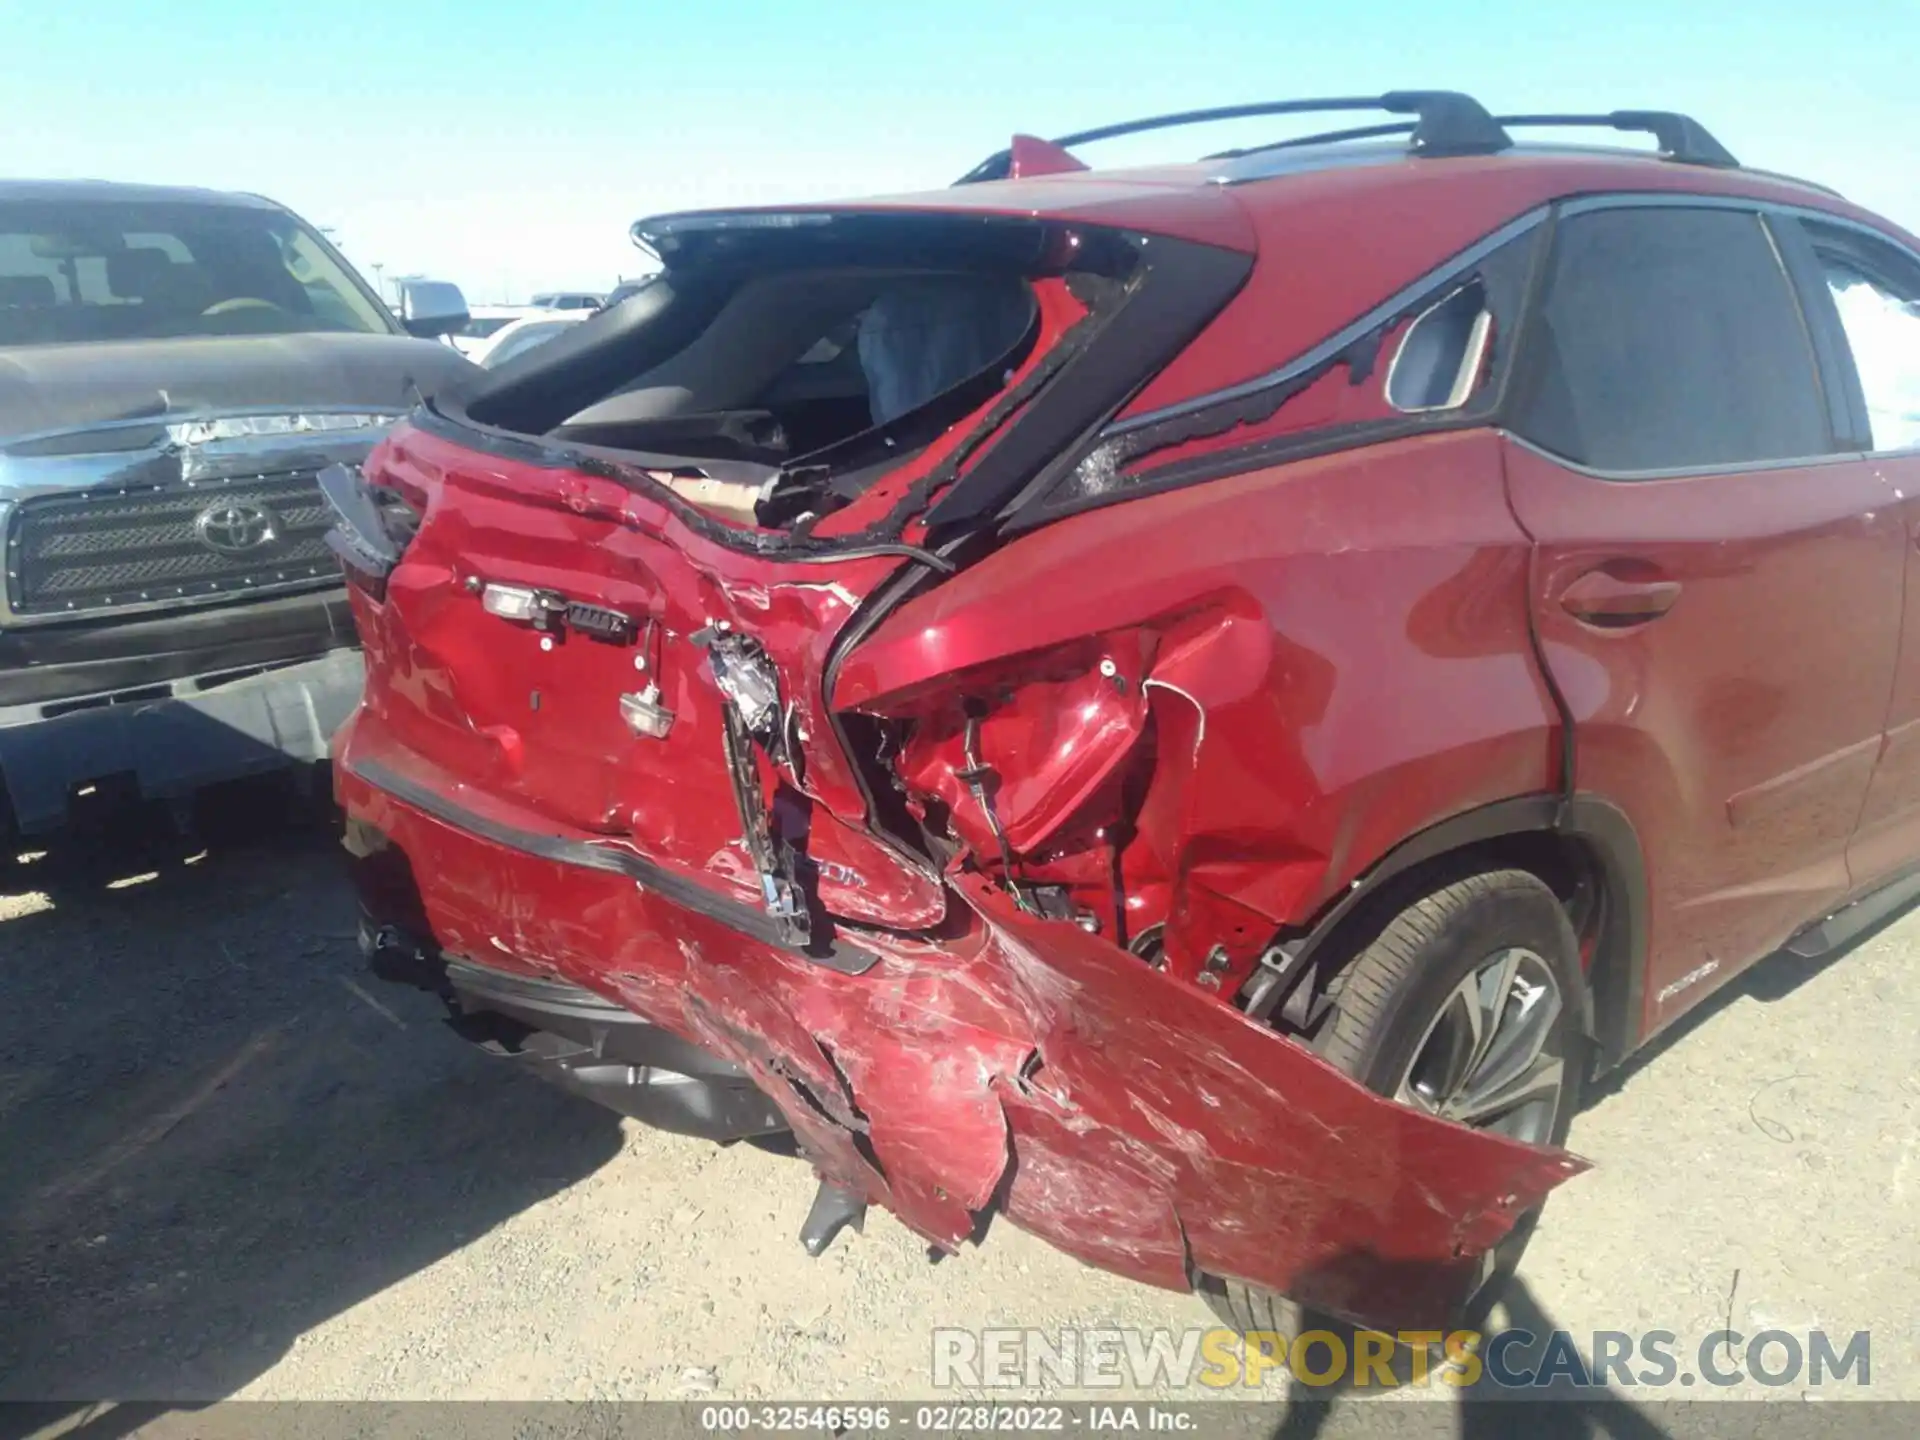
1029	155
1888	841
1290	666
1202	714
1739	729
500	716
1334	653
1147	1126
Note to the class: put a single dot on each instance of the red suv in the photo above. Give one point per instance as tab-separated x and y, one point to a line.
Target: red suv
1189	707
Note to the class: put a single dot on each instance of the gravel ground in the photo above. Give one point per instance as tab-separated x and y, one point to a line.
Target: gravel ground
233	1165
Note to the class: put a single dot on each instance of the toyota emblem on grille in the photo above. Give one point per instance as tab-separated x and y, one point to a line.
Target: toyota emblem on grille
236	529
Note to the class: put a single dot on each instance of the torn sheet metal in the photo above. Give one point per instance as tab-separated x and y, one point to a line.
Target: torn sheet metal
1024	1065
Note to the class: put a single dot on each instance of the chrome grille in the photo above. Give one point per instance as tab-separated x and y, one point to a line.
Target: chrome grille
88	552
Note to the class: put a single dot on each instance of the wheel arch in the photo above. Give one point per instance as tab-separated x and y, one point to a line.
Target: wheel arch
1582	846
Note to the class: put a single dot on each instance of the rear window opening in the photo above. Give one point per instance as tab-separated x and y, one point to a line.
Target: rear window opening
798	362
771	379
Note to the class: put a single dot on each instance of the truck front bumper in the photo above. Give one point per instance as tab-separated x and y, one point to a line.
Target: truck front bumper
176	736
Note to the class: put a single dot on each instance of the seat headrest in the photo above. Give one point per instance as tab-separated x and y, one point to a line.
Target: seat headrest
27	291
148	275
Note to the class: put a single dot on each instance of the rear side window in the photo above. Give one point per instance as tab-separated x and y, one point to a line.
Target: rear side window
1441	357
1670	339
1876	290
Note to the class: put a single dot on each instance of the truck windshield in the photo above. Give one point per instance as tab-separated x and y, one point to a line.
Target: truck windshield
78	271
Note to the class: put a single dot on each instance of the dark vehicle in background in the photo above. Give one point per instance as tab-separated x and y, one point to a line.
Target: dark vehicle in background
175	367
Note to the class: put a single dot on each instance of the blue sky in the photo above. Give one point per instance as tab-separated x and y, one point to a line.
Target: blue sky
507	146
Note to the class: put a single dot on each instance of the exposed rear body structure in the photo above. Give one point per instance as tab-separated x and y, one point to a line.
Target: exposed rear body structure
1185	706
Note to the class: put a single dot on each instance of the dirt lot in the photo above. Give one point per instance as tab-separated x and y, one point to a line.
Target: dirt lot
234	1165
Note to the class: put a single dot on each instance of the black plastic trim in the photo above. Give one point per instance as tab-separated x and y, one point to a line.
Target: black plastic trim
1846	401
1239	459
690	894
1221	410
1039	421
57	662
1856	243
1763	213
1337	344
570	1037
540	995
538	390
1334	346
1856	917
1836	456
1619	968
1181	286
1681	138
1449	124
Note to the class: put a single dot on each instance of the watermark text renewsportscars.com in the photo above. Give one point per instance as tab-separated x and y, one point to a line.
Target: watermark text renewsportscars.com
1218	1359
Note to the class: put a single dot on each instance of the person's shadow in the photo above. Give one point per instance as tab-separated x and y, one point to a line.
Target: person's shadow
217	1131
1481	1411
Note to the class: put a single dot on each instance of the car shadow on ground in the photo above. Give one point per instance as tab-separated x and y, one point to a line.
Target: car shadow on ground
215	1130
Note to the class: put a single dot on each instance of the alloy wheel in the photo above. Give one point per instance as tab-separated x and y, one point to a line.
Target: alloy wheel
1490	1056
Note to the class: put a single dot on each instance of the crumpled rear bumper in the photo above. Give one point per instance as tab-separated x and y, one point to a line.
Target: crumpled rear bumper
1023	1066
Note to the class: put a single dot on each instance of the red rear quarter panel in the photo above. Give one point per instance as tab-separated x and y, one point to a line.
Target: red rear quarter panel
1339	658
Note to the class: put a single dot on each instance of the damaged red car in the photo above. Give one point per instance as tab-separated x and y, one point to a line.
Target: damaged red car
1188	708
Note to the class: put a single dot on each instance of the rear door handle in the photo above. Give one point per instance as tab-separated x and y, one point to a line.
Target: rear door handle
1607	600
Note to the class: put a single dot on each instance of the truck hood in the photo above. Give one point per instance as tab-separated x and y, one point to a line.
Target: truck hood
75	387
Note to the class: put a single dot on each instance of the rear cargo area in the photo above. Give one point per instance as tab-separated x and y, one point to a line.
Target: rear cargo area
780	372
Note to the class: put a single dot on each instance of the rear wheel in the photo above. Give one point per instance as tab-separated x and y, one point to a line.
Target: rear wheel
1465	1005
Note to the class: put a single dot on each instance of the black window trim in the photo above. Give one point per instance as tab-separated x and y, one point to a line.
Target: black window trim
1448	273
1827	378
1784	220
1846	401
1807	248
1837	380
1362	337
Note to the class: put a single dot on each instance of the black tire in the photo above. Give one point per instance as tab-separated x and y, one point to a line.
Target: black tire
1383	1002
